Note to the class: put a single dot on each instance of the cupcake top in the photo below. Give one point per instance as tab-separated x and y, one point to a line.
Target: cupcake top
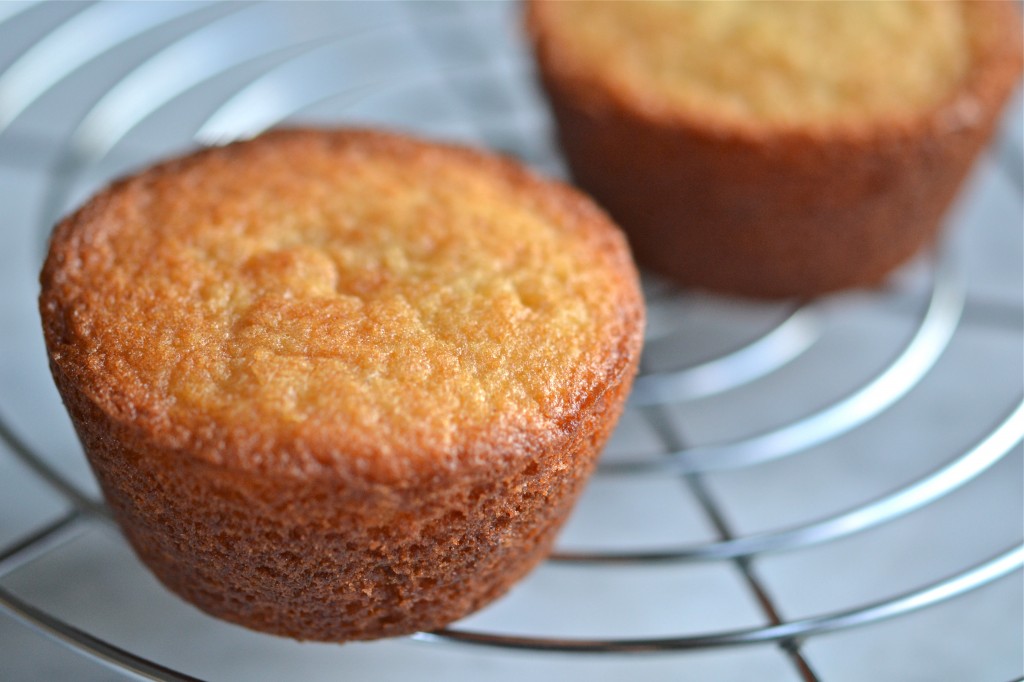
779	62
314	299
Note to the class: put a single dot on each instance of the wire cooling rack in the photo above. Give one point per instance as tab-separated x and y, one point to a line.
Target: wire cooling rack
88	90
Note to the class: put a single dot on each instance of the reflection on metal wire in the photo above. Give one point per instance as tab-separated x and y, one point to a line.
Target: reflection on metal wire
966	581
938	323
96	648
284	88
766	354
955	474
89	34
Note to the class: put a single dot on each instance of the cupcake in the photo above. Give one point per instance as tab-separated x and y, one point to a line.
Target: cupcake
775	149
340	385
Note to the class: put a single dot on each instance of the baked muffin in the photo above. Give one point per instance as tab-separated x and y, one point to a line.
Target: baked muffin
775	149
340	385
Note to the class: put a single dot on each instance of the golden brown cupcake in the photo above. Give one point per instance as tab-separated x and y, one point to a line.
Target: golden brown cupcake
340	385
775	149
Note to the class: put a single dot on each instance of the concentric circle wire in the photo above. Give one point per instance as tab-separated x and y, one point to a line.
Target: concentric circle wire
283	89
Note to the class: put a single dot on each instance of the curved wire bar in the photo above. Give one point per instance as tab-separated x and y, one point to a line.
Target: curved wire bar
259	105
932	487
971	579
961	583
172	71
94	647
920	354
49	475
190	61
179	67
779	346
98	133
65	49
9	10
50	536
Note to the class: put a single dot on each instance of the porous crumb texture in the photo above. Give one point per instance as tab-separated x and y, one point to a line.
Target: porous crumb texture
341	385
781	149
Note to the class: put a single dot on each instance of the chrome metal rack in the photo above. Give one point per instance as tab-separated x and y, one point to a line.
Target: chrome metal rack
87	90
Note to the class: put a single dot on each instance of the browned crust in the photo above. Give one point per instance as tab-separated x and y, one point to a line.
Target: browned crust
337	560
263	533
772	210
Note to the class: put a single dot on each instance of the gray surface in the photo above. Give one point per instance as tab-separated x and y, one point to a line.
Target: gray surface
465	77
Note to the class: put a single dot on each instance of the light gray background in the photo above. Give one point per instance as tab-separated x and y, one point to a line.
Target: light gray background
460	71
